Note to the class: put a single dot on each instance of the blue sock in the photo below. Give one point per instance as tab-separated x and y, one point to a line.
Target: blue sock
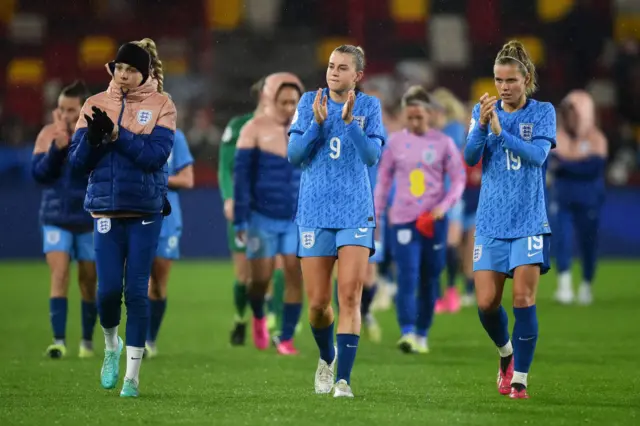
452	266
496	324
257	306
324	340
89	316
156	314
290	318
58	316
470	288
525	336
426	304
368	293
347	348
335	294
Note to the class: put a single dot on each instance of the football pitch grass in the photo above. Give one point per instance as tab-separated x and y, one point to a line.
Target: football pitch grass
586	369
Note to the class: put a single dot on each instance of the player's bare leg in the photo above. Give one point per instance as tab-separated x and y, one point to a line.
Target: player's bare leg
525	329
316	272
292	304
87	280
158	282
353	262
58	262
371	326
260	272
241	270
489	289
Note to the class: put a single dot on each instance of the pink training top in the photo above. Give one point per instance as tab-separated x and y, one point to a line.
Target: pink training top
418	164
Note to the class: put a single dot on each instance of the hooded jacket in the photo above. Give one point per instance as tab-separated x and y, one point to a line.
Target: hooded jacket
265	181
580	158
129	175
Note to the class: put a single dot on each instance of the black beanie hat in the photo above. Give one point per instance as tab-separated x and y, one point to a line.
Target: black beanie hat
135	56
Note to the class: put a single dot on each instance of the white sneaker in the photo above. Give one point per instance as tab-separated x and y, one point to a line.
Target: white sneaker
324	375
585	296
342	390
564	293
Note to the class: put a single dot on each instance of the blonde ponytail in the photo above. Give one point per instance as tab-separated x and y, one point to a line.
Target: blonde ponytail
513	52
156	64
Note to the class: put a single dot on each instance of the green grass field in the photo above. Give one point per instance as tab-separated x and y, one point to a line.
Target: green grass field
586	370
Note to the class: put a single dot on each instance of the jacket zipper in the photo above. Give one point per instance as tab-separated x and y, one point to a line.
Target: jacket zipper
124	102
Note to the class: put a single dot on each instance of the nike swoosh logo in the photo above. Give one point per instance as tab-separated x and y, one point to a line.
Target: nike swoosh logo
352	346
438	246
144	222
360	235
533	254
135	359
528	338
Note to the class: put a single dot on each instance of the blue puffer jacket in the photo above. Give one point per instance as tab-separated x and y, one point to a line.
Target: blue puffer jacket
129	174
64	190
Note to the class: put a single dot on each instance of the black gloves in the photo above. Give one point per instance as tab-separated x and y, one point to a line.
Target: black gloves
99	126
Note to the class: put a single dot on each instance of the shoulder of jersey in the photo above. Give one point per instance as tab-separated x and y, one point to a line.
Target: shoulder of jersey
368	99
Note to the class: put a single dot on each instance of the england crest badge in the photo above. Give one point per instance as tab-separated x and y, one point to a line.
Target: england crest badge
526	131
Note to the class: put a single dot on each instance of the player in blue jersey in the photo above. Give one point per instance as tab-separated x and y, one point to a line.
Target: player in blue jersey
66	227
450	115
336	135
513	136
578	167
266	193
180	165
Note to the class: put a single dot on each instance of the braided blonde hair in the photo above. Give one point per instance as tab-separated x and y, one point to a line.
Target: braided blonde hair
156	64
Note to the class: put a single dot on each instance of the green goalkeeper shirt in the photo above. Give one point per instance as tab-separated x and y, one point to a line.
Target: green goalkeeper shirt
228	152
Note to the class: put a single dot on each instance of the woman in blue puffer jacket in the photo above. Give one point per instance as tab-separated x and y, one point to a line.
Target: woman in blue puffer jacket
123	139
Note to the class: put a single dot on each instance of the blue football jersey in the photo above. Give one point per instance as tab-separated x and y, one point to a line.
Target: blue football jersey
512	195
179	158
335	187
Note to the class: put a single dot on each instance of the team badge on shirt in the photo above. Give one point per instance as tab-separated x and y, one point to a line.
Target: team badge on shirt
144	116
429	156
308	239
226	136
360	121
526	131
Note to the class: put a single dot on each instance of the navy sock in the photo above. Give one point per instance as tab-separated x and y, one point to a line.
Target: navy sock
89	315
290	318
335	293
257	306
58	316
368	293
525	337
347	348
324	340
496	324
156	314
469	286
452	266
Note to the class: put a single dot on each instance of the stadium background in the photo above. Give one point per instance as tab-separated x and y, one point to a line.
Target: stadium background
214	49
585	370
